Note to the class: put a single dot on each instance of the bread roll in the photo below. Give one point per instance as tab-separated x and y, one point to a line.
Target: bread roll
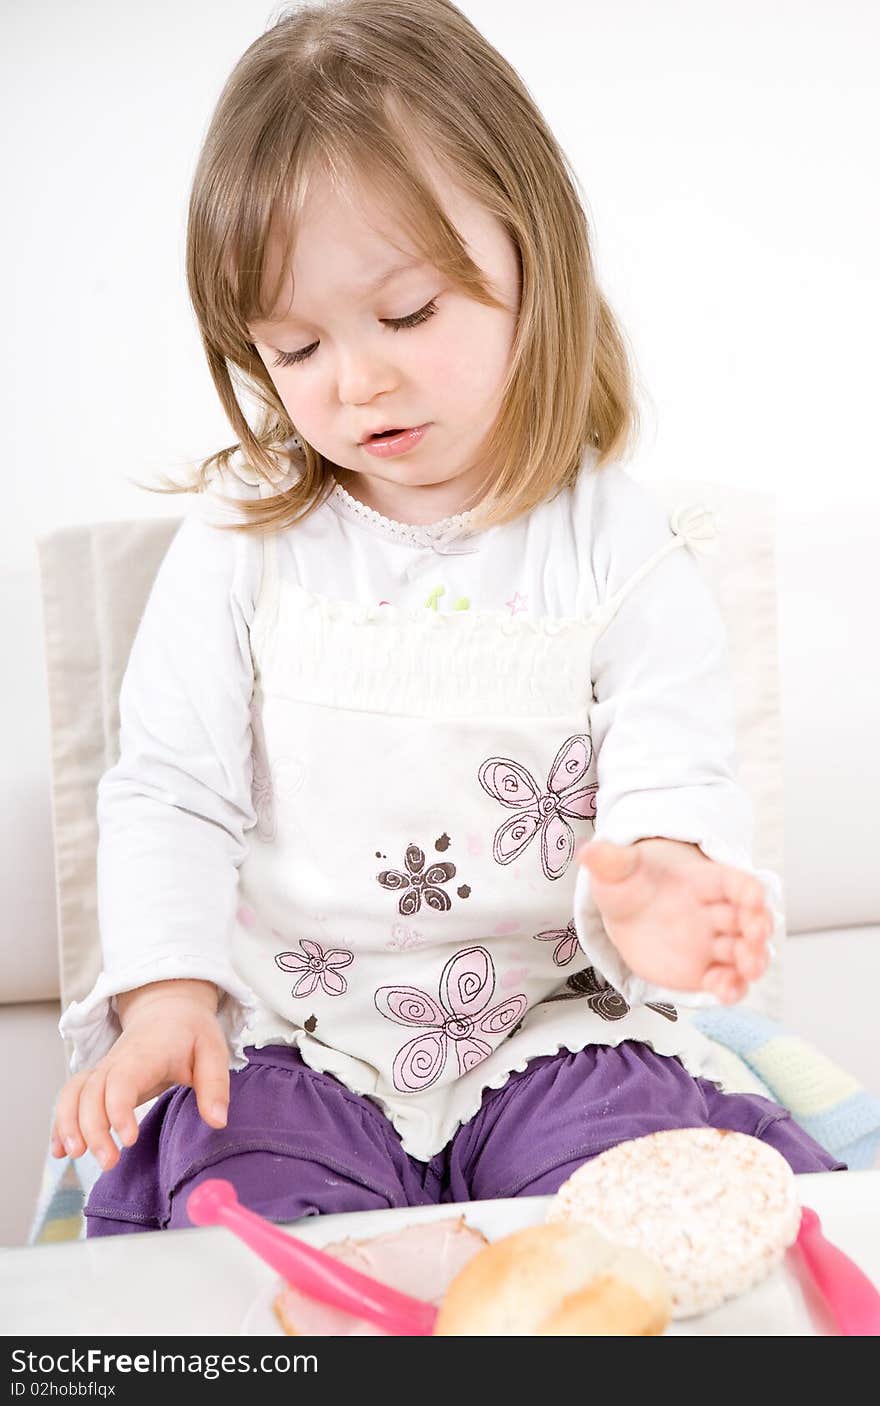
555	1281
716	1209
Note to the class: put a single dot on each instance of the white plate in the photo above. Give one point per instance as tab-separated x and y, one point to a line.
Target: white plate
204	1283
785	1304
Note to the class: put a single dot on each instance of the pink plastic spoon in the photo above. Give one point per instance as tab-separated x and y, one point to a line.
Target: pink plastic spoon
850	1295
321	1276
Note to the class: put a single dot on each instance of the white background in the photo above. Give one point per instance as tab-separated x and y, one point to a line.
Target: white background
727	157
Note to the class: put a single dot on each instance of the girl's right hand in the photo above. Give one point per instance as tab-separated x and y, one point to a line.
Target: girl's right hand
170	1035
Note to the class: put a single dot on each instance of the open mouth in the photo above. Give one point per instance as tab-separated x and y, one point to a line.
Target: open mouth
386	443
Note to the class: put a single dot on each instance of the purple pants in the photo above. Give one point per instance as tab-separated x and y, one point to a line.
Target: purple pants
299	1143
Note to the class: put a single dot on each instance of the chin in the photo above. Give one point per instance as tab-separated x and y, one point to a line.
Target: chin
420	478
416	478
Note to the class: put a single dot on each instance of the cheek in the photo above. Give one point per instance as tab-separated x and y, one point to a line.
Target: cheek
300	396
476	364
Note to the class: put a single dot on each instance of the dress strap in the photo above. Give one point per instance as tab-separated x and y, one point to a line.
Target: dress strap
266	608
270	552
693	525
271	574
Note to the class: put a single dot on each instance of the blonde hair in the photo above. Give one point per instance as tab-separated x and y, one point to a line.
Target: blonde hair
334	87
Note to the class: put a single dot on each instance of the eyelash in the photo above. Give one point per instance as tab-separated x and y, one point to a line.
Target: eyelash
396	324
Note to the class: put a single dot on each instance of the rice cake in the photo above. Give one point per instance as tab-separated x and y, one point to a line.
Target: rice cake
716	1209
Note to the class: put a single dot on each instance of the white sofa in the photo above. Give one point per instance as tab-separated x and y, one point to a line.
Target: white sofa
828	572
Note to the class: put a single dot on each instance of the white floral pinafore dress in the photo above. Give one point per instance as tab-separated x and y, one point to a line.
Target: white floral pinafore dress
409	914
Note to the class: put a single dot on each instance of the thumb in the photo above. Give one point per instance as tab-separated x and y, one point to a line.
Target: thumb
609	863
211	1080
623	885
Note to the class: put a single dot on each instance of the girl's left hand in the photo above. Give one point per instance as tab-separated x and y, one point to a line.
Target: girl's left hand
679	919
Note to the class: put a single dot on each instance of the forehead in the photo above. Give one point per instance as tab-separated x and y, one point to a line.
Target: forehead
345	246
339	245
284	310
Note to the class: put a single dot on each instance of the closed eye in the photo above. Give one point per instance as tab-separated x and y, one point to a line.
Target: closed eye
396	324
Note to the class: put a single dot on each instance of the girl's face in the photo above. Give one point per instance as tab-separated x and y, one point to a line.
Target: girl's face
342	369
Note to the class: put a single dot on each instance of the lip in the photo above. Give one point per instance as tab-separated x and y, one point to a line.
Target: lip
397	444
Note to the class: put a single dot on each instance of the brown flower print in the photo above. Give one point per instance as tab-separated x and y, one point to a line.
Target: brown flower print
419	883
663	1008
602	997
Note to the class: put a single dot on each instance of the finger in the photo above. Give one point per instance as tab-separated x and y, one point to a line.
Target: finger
120	1101
724	983
751	961
741	888
622	883
756	926
609	862
211	1079
94	1121
724	918
67	1116
723	950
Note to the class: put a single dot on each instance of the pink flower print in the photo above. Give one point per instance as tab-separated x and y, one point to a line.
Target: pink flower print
466	986
404	939
284	777
315	967
419	883
515	977
567	943
545	811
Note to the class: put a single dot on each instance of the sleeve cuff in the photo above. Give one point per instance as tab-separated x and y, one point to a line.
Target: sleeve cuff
93	1027
604	956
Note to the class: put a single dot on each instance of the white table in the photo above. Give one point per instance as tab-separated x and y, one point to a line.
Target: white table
194	1282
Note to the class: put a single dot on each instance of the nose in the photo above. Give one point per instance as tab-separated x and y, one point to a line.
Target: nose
362	374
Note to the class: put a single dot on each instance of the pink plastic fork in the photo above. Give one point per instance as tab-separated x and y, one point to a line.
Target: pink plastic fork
312	1271
850	1295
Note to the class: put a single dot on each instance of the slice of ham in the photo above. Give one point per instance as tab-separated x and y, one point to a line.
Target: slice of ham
421	1260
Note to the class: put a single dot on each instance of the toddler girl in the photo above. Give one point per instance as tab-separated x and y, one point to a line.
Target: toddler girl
420	639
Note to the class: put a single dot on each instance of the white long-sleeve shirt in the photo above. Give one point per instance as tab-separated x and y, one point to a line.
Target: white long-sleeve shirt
186	803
